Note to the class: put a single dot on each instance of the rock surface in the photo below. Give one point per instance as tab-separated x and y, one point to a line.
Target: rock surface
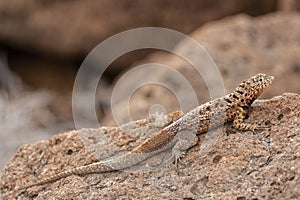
226	164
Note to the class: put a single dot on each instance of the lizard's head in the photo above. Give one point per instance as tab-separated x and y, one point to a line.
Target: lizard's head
253	87
259	82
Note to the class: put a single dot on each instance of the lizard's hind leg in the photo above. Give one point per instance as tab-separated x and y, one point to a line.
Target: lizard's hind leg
185	140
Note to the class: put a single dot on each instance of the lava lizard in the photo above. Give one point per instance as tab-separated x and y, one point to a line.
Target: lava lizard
182	133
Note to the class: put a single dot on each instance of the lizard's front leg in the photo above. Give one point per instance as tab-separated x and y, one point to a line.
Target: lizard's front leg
238	121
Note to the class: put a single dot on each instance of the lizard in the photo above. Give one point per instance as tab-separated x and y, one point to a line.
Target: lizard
181	134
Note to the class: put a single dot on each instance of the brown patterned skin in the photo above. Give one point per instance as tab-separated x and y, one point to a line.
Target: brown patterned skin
182	133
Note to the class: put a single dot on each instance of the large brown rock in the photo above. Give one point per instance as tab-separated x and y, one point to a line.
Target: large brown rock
226	164
241	46
288	5
72	28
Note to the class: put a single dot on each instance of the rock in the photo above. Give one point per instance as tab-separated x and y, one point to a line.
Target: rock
241	46
288	5
68	29
226	164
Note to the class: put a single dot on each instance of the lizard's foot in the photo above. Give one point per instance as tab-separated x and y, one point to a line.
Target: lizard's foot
177	155
262	127
254	127
245	126
174	157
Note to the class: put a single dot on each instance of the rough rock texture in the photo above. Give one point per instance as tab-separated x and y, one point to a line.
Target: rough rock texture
72	28
227	164
241	46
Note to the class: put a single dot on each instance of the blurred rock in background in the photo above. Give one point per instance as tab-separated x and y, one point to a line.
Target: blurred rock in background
70	29
288	5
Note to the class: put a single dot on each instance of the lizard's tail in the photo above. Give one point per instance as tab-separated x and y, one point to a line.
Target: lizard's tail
118	163
87	169
91	168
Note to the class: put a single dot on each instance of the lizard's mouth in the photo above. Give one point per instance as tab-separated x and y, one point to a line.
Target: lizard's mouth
269	79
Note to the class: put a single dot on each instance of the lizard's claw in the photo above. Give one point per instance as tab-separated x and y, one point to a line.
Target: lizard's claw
262	127
177	155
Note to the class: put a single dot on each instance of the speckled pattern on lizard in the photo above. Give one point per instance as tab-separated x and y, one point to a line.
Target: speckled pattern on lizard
182	133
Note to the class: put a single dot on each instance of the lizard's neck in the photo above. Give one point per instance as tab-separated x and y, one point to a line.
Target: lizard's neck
244	96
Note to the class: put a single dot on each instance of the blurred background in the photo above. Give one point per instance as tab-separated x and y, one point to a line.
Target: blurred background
43	43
